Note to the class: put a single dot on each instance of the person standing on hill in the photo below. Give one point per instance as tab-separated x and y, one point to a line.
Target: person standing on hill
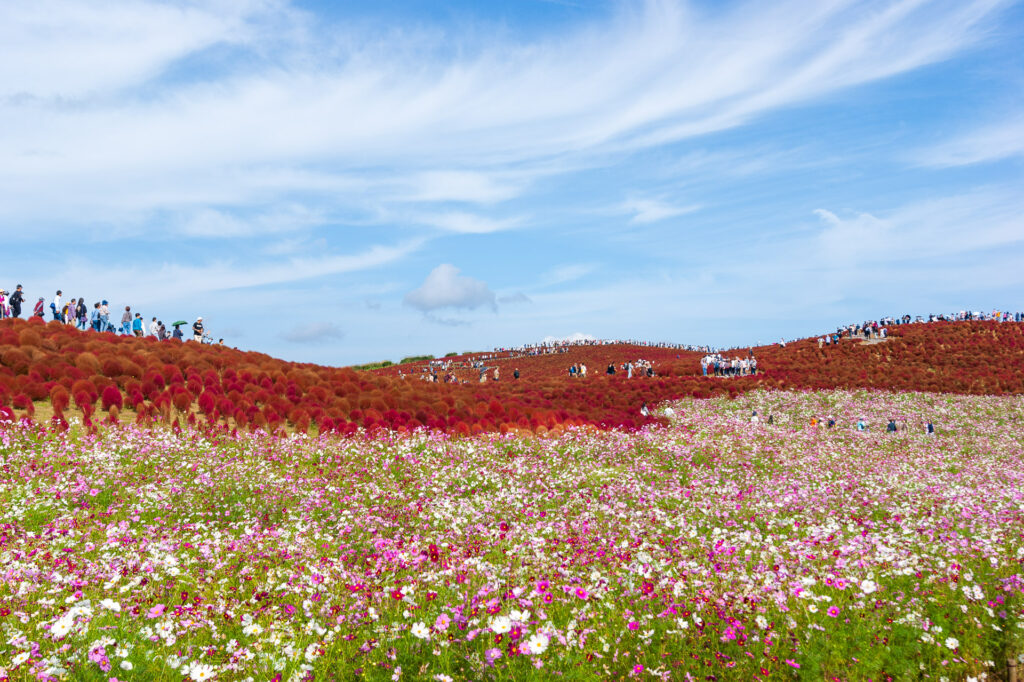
197	330
38	311
137	325
55	306
126	320
94	317
515	374
104	316
17	298
154	327
81	313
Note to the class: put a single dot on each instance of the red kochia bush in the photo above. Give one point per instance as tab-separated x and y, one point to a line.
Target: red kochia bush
111	397
973	357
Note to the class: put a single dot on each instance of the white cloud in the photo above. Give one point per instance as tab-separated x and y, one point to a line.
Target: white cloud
409	106
468	223
568	272
314	332
465	186
444	287
172	281
991	143
67	49
928	229
651	211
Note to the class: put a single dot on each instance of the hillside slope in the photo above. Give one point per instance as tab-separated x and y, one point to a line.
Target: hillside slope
56	369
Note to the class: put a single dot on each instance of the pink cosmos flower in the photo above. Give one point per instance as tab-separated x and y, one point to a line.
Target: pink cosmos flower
791	663
633	625
833	611
156	611
581	593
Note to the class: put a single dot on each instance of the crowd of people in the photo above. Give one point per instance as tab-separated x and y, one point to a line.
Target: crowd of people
860	425
717	365
71	311
563	346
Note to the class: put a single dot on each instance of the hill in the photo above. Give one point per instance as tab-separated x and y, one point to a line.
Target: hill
49	370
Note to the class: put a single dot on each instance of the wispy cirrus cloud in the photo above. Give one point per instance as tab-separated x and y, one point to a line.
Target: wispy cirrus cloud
657	71
645	211
994	142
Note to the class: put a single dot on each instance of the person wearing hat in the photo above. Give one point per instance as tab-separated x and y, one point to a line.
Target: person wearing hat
17	298
197	330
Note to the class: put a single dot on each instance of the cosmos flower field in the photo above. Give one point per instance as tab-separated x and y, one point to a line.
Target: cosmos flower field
709	547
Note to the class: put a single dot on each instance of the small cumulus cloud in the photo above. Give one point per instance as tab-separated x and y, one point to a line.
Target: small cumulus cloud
314	332
444	287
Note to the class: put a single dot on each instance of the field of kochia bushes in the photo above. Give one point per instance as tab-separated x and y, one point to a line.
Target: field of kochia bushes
106	377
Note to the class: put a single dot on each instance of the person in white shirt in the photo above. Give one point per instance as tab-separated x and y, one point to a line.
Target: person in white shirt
56	305
154	327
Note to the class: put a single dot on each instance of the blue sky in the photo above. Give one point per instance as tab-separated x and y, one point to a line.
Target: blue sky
343	182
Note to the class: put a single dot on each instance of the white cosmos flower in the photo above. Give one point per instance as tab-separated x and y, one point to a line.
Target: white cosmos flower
420	631
252	630
60	628
201	672
538	643
868	586
952	643
762	622
111	605
500	625
126	665
20	658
